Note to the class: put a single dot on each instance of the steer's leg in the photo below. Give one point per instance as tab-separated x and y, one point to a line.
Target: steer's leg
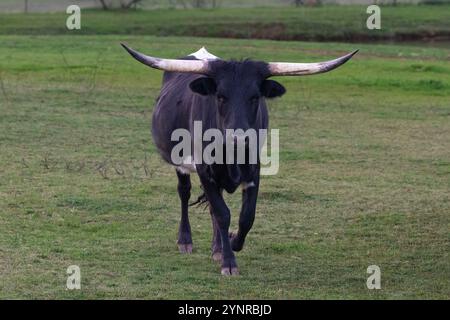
222	216
247	216
216	245
184	232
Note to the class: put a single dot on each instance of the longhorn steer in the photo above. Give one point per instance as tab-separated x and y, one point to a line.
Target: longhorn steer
222	95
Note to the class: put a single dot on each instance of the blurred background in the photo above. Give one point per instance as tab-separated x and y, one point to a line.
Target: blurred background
61	5
311	20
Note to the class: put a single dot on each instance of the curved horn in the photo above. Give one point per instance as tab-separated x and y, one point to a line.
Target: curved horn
174	65
303	69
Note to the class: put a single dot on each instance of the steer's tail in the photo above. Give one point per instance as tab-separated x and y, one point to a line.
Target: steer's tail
200	201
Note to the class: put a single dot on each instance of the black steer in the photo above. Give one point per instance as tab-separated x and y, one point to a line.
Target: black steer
222	95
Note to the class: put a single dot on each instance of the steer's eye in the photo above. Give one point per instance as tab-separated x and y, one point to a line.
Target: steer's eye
221	99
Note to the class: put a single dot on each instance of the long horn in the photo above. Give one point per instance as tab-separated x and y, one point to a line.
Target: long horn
303	69
174	65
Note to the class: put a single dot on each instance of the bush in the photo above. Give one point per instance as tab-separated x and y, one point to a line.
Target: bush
434	2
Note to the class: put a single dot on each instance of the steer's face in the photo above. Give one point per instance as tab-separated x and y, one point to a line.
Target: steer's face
237	88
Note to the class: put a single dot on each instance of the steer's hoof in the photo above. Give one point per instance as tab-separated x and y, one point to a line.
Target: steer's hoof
217	256
185	248
229	271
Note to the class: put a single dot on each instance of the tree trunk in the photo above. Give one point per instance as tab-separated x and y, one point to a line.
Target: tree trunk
104	4
130	4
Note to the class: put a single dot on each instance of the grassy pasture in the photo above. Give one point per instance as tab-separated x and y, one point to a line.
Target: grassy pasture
364	175
327	23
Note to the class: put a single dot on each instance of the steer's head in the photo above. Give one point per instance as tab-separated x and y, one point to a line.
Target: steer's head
237	86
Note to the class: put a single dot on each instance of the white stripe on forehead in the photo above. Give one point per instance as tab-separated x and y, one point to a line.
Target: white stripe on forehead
203	54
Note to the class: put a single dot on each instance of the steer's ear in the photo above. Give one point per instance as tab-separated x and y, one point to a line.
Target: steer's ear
203	86
272	89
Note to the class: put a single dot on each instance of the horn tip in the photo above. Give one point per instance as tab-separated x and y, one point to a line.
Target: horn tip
125	46
349	56
132	52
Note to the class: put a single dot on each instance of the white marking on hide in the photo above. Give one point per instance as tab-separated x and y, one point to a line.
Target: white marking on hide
203	54
246	185
187	167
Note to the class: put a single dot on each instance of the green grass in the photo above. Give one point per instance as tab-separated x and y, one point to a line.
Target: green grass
364	176
335	23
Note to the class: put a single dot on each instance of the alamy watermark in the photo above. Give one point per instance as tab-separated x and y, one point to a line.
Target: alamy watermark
74	278
73	22
374	280
235	146
374	20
